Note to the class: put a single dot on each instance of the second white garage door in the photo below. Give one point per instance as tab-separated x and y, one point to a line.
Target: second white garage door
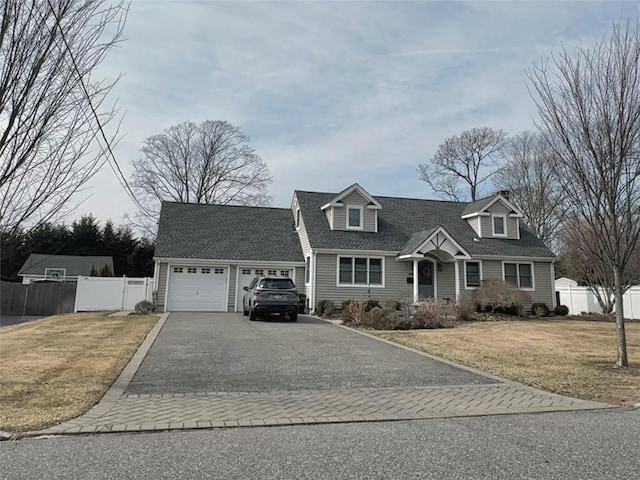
245	275
197	289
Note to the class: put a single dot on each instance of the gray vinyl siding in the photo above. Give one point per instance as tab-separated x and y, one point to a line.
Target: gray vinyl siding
231	301
446	280
162	285
340	213
395	273
302	231
510	222
300	279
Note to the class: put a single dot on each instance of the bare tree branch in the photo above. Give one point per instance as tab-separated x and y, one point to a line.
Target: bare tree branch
464	162
48	147
210	162
589	106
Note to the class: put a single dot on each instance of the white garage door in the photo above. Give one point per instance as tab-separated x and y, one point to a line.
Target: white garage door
198	289
245	275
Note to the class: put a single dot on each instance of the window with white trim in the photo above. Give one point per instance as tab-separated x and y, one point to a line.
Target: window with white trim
259	271
284	273
499	225
272	273
519	274
359	271
55	272
246	271
354	217
472	274
192	270
307	270
218	271
205	270
177	269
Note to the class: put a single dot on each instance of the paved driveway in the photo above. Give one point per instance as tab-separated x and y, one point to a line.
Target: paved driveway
214	352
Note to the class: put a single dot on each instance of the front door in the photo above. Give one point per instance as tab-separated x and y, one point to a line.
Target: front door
425	279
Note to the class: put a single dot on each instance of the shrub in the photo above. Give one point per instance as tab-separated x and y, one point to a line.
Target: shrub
144	307
345	303
562	310
325	308
390	304
465	309
540	309
377	318
371	304
353	313
433	314
502	297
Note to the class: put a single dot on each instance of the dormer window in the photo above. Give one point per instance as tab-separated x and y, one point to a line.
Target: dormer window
354	217
499	226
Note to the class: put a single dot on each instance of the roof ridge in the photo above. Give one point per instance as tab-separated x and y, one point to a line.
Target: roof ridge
220	205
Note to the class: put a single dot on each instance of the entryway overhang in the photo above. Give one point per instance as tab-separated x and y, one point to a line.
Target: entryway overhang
436	241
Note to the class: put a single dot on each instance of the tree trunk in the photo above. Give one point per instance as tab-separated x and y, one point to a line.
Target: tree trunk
623	361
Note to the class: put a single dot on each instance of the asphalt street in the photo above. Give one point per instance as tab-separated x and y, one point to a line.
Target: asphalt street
598	445
217	352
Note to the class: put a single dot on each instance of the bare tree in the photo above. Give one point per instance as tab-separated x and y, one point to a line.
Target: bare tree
50	50
527	175
589	106
462	164
210	162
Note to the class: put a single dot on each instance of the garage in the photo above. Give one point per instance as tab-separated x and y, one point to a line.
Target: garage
246	274
198	289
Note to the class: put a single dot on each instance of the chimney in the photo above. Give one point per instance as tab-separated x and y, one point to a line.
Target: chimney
504	193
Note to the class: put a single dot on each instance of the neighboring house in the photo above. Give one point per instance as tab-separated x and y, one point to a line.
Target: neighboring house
61	267
346	246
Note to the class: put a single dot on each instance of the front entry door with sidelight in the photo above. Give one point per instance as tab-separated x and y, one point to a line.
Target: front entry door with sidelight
425	279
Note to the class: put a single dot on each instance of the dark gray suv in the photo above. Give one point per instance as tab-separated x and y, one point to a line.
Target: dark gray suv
267	295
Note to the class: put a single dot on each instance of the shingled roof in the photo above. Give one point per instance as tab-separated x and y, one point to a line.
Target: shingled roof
74	264
189	230
400	218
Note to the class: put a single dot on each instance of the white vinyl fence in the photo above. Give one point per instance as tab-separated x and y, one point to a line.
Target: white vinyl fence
111	293
581	299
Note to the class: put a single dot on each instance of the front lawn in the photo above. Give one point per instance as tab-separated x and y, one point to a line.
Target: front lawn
568	357
57	368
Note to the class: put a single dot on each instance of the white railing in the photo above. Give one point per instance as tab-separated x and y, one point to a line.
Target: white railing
111	293
581	299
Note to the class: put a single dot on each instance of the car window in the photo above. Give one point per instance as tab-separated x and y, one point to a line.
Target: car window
277	283
253	283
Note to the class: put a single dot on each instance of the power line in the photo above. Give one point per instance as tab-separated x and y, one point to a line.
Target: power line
112	161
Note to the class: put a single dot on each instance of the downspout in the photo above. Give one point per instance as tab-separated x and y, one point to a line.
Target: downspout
312	307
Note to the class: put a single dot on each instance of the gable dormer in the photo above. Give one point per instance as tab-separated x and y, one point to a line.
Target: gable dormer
353	209
494	217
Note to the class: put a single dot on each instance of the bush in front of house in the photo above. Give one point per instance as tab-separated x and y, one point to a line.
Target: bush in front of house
540	309
390	304
354	313
465	309
325	309
434	313
144	307
562	310
371	304
344	304
501	297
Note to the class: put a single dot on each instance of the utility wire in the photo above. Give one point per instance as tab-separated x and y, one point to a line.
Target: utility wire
113	162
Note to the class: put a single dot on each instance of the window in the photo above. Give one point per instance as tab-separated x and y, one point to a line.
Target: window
297	218
499	226
520	274
277	283
284	273
246	271
205	270
359	271
55	272
259	271
218	271
354	217
307	270
192	270
272	273
472	274
177	269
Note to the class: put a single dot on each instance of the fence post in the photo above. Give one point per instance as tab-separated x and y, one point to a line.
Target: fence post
75	301
571	301
124	292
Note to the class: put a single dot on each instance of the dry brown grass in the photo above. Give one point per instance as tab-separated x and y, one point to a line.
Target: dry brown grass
567	357
56	368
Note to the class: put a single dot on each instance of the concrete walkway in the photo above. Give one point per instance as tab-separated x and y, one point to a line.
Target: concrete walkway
125	409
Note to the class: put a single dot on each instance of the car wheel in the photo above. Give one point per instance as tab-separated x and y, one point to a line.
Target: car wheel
293	317
252	315
245	312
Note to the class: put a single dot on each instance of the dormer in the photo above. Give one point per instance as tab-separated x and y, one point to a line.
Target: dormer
494	217
353	209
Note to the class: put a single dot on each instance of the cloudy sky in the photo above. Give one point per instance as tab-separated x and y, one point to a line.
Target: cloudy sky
333	93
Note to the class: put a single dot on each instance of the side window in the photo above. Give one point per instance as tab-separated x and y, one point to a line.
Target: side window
253	283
